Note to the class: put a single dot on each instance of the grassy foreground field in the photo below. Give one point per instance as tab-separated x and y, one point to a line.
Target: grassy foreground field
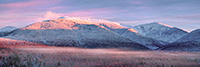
81	57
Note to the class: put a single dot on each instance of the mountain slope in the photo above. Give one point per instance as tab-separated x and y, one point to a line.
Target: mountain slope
10	43
6	30
183	46
189	42
160	31
67	32
192	36
133	35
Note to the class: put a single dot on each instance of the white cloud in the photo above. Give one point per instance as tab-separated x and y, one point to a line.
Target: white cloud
50	15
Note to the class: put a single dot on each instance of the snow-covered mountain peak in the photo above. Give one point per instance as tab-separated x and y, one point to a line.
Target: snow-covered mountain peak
144	29
164	24
111	25
159	24
160	31
70	22
85	19
89	20
51	24
132	30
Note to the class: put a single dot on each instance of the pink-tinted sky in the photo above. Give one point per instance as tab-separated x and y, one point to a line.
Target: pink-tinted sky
184	14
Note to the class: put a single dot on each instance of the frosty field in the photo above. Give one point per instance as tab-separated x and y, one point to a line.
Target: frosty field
82	57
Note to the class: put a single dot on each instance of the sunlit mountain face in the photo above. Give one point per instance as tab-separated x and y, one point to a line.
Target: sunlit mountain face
70	22
103	33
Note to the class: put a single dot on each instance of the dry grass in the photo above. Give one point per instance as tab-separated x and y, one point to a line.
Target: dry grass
79	57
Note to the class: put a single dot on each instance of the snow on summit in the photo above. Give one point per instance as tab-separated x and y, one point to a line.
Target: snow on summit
160	31
69	22
164	24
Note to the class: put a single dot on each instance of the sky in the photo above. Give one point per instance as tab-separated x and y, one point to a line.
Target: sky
184	14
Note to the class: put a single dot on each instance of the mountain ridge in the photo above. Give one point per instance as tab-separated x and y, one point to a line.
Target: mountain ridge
93	33
160	31
6	30
62	32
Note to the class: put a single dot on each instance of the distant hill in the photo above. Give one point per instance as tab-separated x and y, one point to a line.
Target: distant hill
189	42
160	31
6	30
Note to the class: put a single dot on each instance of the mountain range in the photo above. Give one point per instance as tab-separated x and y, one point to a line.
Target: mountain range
94	33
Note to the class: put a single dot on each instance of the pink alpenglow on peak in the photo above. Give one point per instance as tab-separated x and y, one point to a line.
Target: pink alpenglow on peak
132	30
164	24
70	22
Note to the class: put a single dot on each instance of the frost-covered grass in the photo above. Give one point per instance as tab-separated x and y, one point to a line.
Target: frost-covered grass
81	57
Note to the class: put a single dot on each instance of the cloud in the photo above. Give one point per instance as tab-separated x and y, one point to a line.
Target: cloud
92	12
22	4
58	8
27	18
51	15
30	6
30	3
82	13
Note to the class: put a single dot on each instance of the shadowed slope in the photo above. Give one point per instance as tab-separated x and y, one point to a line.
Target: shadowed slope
160	31
189	42
133	35
192	36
